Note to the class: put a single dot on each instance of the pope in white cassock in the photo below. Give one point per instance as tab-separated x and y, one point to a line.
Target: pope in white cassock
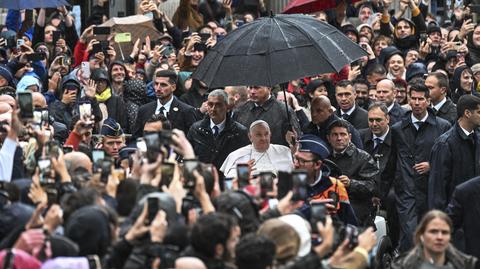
265	157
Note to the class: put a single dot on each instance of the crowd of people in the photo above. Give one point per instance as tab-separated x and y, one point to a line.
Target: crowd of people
115	159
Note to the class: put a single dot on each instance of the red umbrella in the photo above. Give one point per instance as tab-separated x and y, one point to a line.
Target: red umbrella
310	6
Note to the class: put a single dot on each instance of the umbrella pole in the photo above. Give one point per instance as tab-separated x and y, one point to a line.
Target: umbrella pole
121	51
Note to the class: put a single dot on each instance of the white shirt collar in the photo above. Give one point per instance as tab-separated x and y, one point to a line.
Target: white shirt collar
349	112
440	104
220	126
415	120
166	105
383	136
390	106
318	179
467	133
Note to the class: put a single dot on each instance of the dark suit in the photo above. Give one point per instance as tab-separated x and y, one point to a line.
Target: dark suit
385	158
455	158
358	118
464	211
413	147
180	115
396	113
448	111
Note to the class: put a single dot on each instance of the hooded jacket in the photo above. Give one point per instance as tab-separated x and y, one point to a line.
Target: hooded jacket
455	85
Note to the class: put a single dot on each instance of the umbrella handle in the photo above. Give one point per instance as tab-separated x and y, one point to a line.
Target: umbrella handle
290	127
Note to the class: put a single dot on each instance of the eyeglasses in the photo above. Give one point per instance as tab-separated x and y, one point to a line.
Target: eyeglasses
303	161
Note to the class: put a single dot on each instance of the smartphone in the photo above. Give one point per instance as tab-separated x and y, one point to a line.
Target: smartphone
299	185
152	208
204	37
101	30
123	37
45	117
94	262
35	57
141	145
266	183
85	66
188	167
37	118
318	213
97	155
45	168
96	48
20	42
85	110
284	184
105	44
243	175
25	103
52	195
56	36
152	142
167	173
106	166
67	149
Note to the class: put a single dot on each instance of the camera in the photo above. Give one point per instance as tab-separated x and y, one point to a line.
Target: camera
351	233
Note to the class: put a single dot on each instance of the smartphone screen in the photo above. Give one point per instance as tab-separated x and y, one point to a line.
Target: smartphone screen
56	36
243	175
97	154
96	48
204	37
266	183
188	167
26	105
35	57
167	173
106	170
299	182
85	110
152	208
86	69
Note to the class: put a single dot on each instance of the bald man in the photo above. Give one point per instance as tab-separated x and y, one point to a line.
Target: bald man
189	263
39	100
386	93
75	160
322	116
9	100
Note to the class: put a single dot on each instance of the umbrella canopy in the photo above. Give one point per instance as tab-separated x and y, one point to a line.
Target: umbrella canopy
277	49
31	4
311	6
139	26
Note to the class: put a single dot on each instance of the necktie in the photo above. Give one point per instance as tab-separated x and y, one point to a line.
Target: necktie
377	141
434	110
215	131
162	111
345	116
419	124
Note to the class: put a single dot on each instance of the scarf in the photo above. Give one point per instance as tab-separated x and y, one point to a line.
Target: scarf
104	96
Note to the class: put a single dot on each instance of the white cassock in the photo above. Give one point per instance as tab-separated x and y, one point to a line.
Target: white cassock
276	158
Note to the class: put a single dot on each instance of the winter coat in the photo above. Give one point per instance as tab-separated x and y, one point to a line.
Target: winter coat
215	150
455	158
362	171
414	259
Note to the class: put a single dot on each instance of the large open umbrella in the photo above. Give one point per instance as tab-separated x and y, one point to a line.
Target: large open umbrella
31	4
311	6
277	49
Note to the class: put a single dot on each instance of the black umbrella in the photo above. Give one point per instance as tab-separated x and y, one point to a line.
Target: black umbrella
277	49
